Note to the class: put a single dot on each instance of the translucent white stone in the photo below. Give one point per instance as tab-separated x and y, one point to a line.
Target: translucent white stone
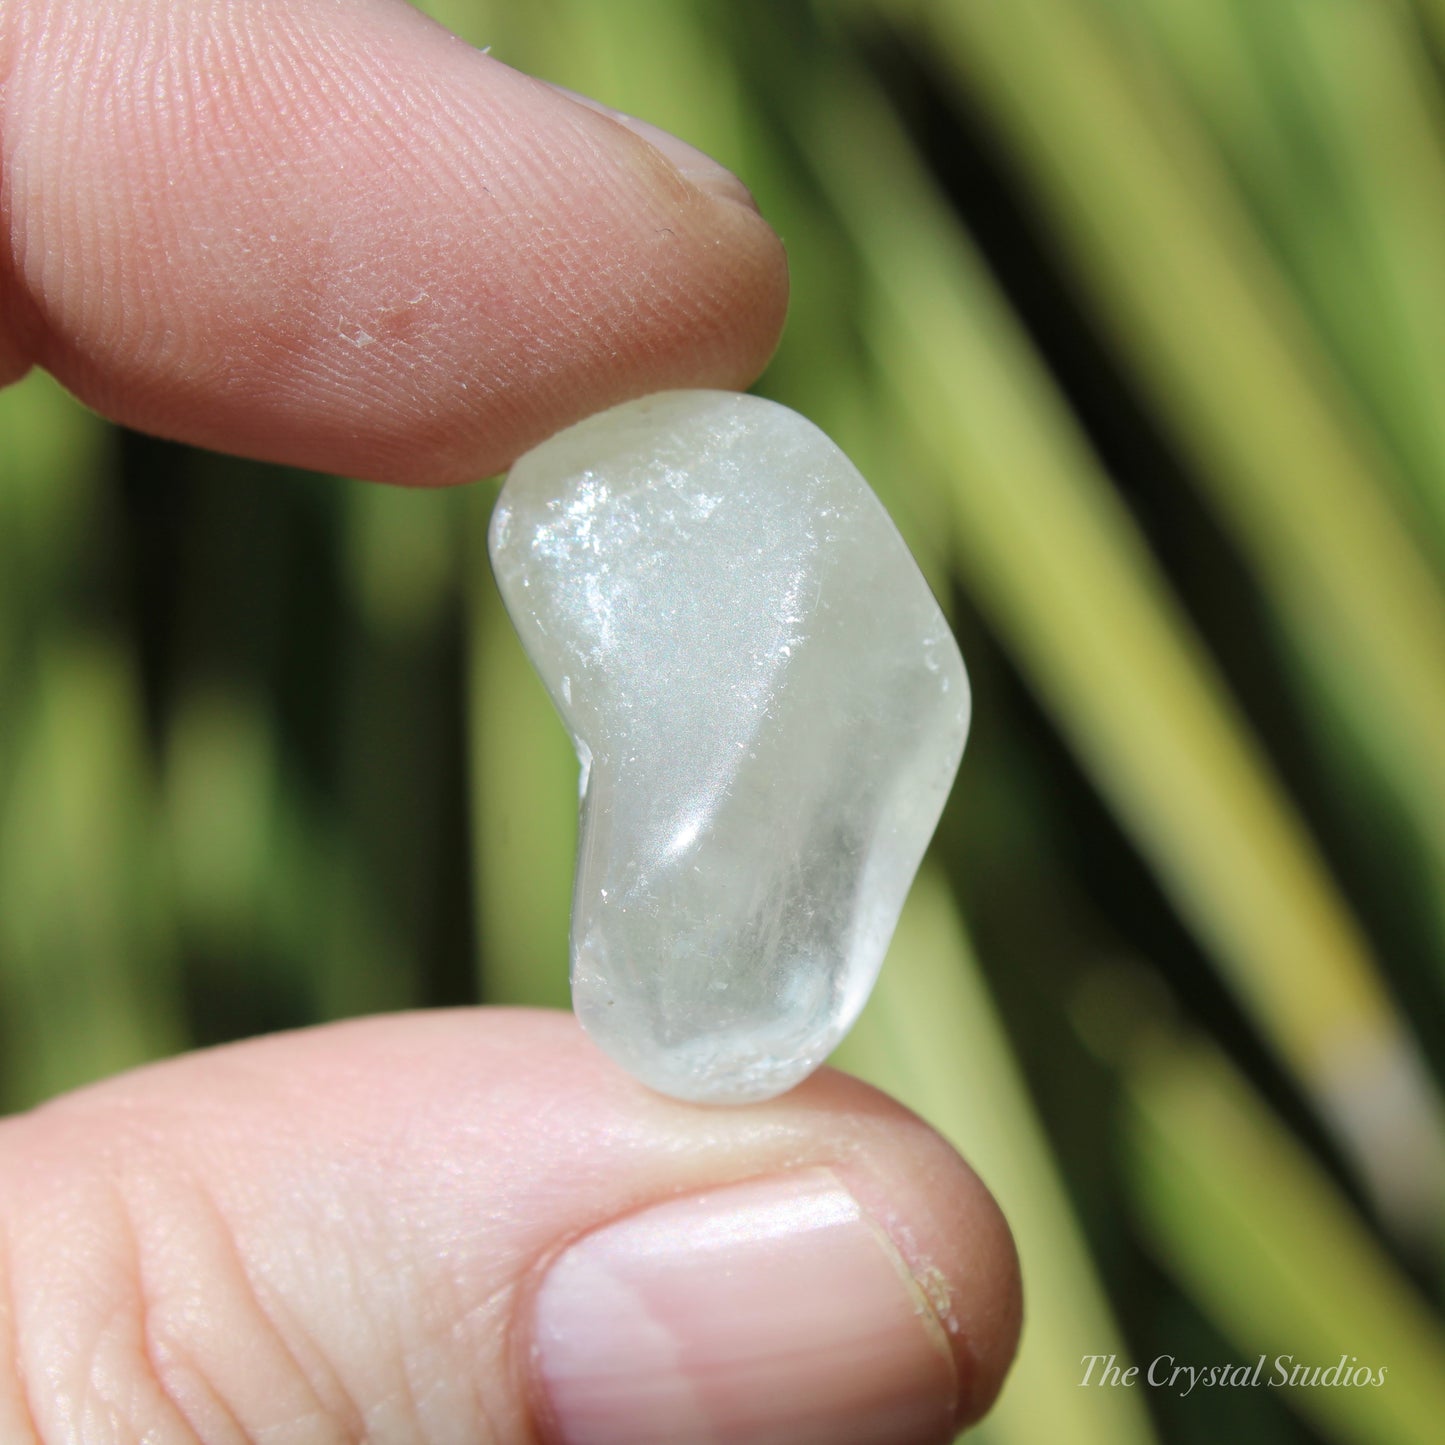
769	710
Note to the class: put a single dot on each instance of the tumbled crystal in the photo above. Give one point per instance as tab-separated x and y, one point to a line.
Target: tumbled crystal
769	710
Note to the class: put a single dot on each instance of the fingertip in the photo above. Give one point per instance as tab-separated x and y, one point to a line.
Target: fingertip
479	1205
865	1291
945	1223
692	164
339	238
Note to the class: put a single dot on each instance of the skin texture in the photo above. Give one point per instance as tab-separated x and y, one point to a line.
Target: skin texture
326	233
342	1225
380	251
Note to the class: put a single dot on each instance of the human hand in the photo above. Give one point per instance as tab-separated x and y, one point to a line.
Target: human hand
331	235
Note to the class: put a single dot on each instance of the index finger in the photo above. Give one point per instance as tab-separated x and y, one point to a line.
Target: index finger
336	236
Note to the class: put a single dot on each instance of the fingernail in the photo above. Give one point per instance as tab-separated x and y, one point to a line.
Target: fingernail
694	165
773	1311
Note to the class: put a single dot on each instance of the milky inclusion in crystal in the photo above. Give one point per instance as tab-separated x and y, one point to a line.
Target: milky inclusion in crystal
769	710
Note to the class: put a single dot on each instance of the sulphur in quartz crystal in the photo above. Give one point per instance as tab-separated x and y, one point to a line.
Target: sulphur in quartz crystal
769	710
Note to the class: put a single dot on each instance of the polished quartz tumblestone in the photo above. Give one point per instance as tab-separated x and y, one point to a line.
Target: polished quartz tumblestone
769	710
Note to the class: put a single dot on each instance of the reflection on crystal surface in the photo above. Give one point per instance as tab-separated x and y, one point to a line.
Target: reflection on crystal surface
769	709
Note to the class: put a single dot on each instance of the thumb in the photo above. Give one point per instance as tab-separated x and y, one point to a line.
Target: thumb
328	233
471	1226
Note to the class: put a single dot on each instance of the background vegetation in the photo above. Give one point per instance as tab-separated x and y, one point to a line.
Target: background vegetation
1134	313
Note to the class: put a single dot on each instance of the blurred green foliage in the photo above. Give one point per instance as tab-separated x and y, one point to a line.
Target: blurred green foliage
1134	313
